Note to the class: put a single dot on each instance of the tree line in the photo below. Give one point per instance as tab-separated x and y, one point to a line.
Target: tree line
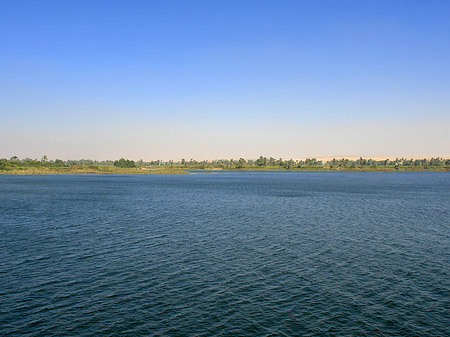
241	163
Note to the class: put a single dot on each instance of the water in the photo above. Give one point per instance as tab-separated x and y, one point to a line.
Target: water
237	253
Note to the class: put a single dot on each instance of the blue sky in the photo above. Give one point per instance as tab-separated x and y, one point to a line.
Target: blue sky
215	79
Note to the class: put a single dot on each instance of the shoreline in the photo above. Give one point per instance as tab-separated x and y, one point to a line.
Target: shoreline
189	171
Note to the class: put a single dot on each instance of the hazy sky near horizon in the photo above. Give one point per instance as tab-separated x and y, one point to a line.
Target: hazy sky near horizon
224	79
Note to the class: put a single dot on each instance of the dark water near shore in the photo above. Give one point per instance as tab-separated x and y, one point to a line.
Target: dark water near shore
239	253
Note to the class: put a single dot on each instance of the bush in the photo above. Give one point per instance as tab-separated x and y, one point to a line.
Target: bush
124	163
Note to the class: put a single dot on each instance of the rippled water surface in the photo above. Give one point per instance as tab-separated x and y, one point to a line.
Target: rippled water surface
237	253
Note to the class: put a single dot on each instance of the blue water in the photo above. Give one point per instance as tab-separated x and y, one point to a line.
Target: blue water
232	253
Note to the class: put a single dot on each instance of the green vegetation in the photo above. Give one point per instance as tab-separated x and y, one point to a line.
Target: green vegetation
124	166
312	164
124	163
45	166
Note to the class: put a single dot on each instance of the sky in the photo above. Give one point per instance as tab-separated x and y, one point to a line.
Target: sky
224	79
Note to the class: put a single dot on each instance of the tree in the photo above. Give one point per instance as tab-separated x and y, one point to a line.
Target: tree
241	163
59	163
289	164
261	161
124	163
343	163
3	164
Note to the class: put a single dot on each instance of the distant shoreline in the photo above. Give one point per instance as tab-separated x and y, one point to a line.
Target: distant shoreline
125	166
188	171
